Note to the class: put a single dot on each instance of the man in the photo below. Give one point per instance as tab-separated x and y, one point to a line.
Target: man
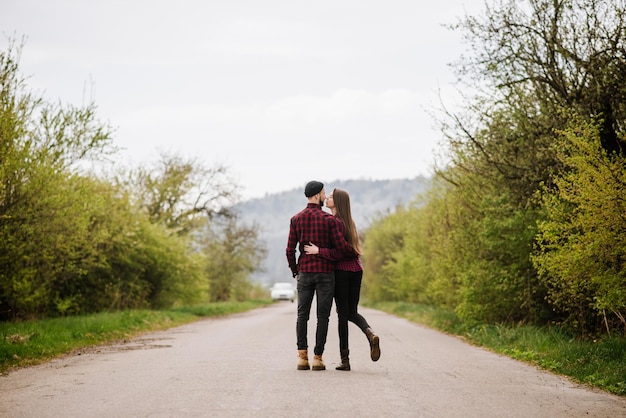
315	275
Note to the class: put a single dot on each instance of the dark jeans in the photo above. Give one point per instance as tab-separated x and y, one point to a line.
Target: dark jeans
347	294
322	286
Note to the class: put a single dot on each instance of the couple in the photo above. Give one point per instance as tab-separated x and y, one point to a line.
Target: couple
328	266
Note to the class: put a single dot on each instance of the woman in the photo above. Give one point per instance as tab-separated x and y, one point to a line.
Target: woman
348	277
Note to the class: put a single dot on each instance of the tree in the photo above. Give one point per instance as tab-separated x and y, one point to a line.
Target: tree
233	252
192	202
181	194
71	242
562	53
381	243
581	246
43	223
529	61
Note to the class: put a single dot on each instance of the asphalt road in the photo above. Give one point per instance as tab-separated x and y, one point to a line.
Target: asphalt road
245	365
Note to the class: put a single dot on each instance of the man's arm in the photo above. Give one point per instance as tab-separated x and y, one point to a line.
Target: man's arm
292	241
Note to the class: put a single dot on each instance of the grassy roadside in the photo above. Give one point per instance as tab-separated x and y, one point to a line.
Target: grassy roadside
33	342
599	363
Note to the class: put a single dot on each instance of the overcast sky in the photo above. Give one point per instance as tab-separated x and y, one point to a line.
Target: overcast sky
279	91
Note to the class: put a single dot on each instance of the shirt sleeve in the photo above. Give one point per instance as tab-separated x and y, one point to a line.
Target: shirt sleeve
342	246
330	254
292	241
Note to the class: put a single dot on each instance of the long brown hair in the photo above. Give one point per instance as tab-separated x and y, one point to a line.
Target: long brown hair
341	199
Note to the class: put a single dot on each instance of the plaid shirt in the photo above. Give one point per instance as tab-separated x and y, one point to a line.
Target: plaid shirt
314	225
352	263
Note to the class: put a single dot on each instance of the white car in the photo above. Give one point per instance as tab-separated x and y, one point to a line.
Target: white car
283	291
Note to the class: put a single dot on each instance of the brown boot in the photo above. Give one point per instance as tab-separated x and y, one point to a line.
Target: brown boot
345	361
318	363
303	360
374	344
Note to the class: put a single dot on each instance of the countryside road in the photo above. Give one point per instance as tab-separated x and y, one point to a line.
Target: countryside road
245	365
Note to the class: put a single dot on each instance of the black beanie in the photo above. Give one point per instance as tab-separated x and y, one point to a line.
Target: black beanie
312	188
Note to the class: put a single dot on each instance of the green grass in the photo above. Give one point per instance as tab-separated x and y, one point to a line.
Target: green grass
33	342
599	363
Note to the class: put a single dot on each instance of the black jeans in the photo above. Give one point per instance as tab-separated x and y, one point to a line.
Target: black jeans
322	286
347	294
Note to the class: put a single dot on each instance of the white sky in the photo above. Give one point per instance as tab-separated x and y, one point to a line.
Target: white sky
279	91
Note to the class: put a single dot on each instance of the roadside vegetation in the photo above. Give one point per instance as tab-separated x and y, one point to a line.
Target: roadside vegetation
79	235
522	236
27	343
525	223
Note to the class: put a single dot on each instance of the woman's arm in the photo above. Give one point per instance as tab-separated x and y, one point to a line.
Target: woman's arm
331	254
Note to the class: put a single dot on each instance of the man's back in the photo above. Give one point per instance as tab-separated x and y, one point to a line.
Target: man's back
311	225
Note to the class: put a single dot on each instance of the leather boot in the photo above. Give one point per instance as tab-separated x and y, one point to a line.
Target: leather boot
318	363
303	360
345	361
374	344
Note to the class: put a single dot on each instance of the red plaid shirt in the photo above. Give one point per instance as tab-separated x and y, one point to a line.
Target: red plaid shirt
352	263
314	225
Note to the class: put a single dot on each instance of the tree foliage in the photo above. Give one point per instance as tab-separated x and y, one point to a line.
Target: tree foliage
72	242
563	53
581	246
233	252
383	240
545	115
42	218
181	193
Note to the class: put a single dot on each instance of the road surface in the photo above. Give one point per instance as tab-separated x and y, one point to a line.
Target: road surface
244	365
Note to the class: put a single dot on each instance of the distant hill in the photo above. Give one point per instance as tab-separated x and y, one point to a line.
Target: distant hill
370	199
